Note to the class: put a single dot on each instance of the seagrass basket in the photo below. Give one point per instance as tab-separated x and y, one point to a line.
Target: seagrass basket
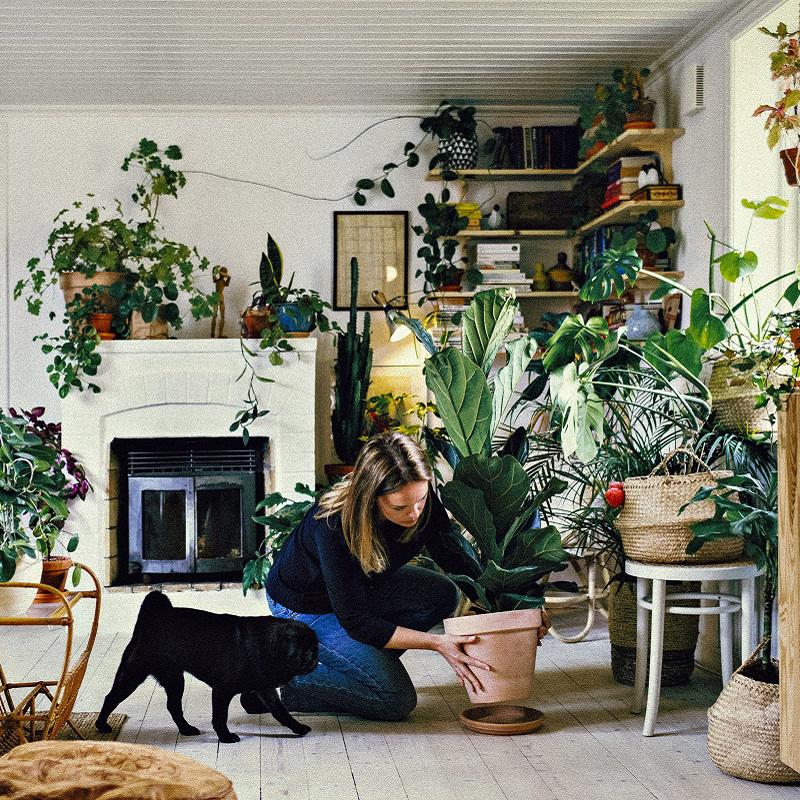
744	729
680	636
733	398
650	526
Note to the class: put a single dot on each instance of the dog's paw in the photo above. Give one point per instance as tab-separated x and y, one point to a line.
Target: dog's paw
190	730
228	738
300	729
103	727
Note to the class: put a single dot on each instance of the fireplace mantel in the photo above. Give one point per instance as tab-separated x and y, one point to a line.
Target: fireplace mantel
181	388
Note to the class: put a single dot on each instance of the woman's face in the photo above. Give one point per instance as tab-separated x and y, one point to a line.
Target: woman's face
404	506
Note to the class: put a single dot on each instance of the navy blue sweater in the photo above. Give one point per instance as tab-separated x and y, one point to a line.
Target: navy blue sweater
315	573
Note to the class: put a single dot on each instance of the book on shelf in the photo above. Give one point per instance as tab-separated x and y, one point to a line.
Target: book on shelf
496	265
492	248
537	147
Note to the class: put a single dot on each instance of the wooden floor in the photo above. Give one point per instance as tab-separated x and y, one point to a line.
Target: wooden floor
590	747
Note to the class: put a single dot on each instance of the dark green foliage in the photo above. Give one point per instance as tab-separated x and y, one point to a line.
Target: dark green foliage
352	370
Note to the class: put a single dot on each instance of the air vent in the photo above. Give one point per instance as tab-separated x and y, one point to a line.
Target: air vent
190	461
694	89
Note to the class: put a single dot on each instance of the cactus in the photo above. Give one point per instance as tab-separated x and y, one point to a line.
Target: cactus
352	371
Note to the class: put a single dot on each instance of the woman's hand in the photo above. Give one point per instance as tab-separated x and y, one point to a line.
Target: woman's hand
451	648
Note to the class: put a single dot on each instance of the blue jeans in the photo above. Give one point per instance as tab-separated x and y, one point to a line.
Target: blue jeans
356	678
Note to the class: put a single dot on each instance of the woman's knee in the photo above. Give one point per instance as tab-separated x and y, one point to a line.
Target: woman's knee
394	705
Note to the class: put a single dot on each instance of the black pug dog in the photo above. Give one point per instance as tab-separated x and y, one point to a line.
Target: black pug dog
231	654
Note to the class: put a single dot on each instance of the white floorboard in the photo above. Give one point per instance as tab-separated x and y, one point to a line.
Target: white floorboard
590	747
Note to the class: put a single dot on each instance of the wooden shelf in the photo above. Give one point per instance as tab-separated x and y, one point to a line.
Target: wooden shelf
628	211
646	282
445	295
474	233
642	141
505	174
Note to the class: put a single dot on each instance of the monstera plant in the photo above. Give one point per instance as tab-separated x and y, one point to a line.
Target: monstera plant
491	496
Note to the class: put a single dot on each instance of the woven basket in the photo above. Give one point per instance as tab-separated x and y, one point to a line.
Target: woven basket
680	637
654	532
733	398
744	730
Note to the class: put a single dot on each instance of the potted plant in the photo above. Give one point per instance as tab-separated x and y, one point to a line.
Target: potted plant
492	498
37	478
748	710
782	118
352	372
653	241
279	516
602	118
123	266
639	108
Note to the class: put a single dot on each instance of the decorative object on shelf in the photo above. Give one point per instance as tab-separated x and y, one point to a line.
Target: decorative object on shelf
539	210
352	370
649	175
559	276
641	324
459	151
472	211
782	117
540	282
494	219
146	271
659	193
639	108
222	280
379	240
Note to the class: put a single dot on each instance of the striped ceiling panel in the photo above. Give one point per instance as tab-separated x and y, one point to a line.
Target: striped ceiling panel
327	52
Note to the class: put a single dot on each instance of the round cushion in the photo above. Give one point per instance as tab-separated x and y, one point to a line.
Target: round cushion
107	771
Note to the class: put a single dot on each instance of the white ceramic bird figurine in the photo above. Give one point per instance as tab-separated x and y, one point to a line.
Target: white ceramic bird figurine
648	176
495	218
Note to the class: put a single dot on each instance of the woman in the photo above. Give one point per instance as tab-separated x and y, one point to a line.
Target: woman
344	571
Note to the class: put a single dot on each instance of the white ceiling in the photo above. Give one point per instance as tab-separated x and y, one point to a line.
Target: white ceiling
328	52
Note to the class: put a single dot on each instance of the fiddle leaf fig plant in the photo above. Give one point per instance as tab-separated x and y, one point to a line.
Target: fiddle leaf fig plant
491	496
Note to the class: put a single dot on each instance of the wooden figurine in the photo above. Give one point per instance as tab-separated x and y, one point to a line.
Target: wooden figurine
221	279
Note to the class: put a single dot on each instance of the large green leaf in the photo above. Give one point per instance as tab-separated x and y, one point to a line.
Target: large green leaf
673	352
520	352
705	328
535	546
575	338
468	506
510	601
582	426
486	324
609	271
503	483
463	399
497	580
734	265
772	207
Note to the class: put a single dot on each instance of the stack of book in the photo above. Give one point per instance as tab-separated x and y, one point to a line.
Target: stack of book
537	147
622	178
447	320
498	263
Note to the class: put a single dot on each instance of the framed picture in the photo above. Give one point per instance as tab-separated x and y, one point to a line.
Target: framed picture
379	240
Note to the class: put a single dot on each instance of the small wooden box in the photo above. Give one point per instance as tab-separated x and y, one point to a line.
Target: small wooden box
539	210
660	191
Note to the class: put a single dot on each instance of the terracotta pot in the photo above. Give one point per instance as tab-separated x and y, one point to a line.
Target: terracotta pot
791	162
507	640
641	116
15	602
254	321
157	329
54	573
102	322
794	335
335	472
73	284
594	149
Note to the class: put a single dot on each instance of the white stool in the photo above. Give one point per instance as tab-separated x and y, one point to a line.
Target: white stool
726	604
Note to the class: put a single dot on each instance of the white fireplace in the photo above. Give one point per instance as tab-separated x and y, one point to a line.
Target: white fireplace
181	388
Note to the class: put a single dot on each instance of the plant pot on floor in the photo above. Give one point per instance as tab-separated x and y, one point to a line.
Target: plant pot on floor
14	602
73	284
680	636
791	164
54	573
507	640
744	726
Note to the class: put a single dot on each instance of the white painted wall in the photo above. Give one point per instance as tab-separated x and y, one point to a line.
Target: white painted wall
55	156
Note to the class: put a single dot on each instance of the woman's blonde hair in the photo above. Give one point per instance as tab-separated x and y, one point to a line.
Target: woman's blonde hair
385	463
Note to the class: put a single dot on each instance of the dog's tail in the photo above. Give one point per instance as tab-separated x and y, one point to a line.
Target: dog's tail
155	607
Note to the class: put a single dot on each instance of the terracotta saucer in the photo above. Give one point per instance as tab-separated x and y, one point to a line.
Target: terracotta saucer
501	720
107	336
